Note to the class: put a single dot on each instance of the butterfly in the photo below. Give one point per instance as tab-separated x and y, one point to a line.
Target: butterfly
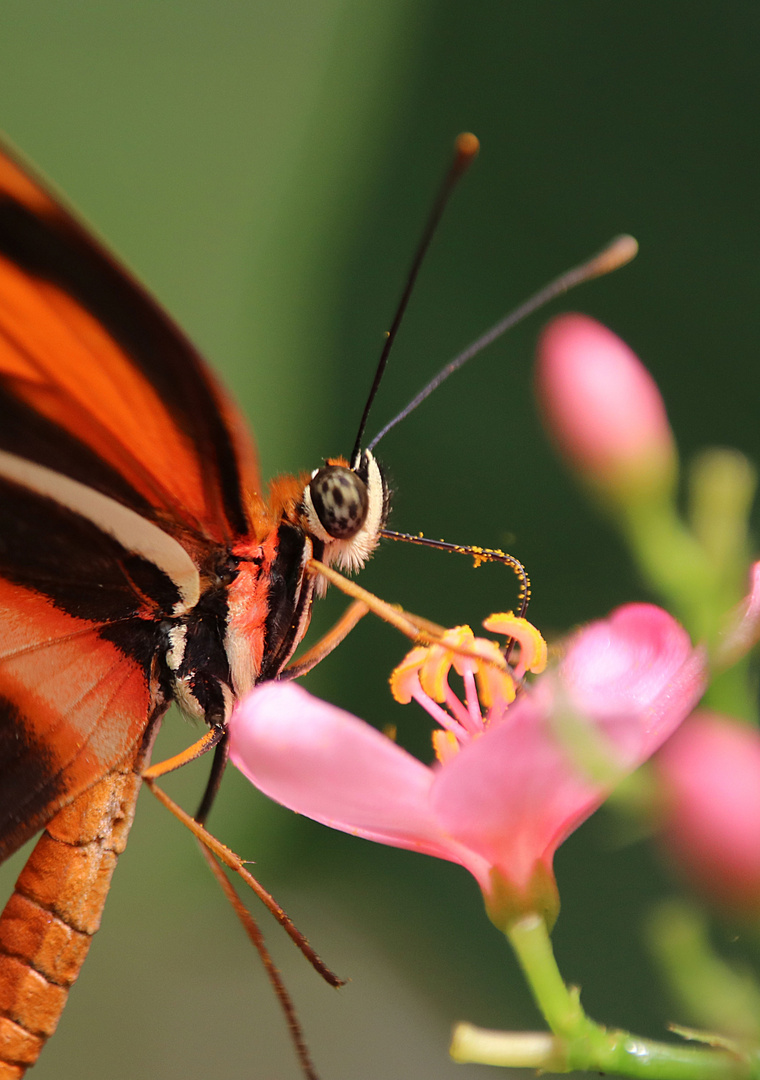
140	564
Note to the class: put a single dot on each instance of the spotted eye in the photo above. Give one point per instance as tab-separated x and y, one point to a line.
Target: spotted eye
340	500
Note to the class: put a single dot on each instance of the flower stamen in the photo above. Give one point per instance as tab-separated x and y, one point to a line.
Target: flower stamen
533	651
445	746
489	683
472	701
442	717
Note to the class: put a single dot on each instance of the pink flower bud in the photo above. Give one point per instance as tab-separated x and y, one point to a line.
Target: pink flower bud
603	409
710	771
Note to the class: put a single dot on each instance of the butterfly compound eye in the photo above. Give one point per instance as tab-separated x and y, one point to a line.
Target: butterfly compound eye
340	501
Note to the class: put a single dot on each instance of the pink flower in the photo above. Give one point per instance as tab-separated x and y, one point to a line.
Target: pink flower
710	772
603	409
513	777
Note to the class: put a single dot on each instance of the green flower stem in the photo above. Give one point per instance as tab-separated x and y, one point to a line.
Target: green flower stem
722	486
675	563
577	1042
697	587
733	692
714	993
612	1052
699	566
560	1005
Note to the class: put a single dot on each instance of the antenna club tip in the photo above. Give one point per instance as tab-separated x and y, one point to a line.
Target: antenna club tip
466	146
626	248
617	253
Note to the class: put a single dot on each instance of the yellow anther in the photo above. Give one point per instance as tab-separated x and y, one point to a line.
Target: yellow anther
461	637
533	653
445	745
434	672
494	686
405	677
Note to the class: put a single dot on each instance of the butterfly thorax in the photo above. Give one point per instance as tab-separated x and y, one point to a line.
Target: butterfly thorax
256	597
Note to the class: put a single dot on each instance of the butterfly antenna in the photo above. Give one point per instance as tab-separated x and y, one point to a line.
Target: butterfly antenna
465	151
616	254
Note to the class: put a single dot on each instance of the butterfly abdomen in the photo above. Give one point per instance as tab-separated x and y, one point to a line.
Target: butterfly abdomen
48	923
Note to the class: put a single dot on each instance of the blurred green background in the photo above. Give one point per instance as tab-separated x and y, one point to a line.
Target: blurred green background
266	168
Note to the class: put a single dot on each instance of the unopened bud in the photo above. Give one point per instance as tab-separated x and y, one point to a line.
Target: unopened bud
604	411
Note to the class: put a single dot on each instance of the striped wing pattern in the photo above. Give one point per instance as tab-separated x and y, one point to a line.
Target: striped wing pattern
98	388
98	381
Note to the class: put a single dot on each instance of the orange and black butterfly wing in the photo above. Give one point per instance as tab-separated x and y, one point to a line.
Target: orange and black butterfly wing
122	466
77	647
98	381
62	727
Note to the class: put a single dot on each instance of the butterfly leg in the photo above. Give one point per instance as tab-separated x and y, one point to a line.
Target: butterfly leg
235	863
317	653
211	739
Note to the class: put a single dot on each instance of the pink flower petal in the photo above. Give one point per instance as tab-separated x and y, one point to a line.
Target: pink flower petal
636	675
512	795
322	762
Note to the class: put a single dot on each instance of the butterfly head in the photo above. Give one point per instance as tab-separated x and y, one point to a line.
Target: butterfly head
344	507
